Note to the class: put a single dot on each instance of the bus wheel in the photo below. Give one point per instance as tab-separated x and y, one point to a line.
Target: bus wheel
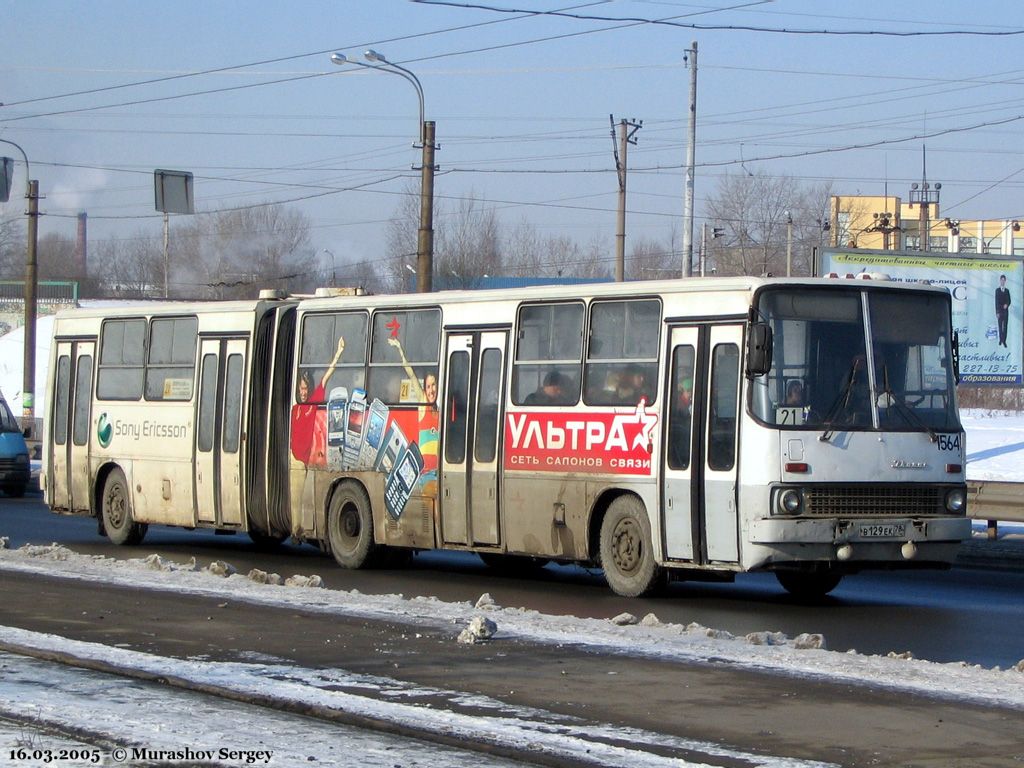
627	555
350	526
116	507
808	585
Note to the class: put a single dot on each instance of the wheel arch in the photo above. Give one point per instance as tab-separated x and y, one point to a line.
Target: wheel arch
100	478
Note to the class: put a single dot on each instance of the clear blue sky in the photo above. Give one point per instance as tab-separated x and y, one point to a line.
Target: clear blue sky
521	102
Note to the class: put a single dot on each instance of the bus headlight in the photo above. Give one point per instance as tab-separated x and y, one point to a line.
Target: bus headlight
956	500
790	501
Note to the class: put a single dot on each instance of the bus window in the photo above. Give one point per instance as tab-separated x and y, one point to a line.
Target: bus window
722	424
549	347
121	360
207	403
233	404
680	411
63	395
318	347
171	367
622	354
404	355
486	432
455	408
83	398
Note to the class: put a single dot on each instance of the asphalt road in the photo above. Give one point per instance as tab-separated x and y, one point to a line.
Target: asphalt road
967	614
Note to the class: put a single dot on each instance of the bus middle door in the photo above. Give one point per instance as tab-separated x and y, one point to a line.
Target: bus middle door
472	419
218	466
701	520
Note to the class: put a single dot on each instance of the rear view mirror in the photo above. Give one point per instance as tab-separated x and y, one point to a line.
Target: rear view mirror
759	349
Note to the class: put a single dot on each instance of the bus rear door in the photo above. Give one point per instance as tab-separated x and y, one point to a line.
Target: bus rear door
472	420
72	426
218	467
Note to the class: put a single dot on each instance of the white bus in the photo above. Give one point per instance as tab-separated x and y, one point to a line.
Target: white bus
686	429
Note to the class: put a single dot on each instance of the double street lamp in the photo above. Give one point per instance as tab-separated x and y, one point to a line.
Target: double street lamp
425	236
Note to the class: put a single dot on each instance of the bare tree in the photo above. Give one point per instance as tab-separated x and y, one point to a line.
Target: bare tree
468	245
651	259
12	248
755	211
129	268
235	253
55	258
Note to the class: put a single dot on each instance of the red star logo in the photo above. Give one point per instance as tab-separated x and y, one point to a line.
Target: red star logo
394	326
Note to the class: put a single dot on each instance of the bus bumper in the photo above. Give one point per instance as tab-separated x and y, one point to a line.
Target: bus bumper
890	540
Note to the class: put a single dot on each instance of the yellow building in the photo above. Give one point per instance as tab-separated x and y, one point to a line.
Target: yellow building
889	223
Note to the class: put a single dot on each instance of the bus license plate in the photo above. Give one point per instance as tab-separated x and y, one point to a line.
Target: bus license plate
883	531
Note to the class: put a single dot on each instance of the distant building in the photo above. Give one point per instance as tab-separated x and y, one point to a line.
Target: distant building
889	223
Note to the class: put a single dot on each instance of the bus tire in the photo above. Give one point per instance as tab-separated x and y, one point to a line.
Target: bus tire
808	585
350	526
627	554
116	508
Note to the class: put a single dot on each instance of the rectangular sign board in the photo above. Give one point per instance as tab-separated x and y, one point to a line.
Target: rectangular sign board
173	191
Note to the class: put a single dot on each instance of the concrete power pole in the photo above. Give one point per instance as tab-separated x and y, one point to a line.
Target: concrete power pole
28	389
691	58
627	132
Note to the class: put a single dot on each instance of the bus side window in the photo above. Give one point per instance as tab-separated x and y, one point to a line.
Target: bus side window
550	340
722	423
622	353
122	361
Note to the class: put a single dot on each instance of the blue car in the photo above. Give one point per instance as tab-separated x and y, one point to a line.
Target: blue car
14	464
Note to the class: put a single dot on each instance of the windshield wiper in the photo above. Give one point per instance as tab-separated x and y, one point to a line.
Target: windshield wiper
841	403
908	413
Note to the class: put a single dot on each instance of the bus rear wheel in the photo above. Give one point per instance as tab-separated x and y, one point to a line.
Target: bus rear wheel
808	585
627	555
350	526
116	508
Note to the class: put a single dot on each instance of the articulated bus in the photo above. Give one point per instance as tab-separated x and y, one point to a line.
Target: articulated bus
693	429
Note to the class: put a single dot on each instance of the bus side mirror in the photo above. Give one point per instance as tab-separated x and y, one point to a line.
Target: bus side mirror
759	349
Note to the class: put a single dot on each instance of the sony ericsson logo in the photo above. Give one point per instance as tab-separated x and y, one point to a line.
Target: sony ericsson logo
104	430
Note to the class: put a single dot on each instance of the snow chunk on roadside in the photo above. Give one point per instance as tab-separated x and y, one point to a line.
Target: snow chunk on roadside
485	602
624	619
220	568
480	630
52	551
767	638
809	641
262	577
298	580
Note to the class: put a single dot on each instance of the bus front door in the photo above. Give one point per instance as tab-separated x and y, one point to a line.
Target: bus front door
472	417
218	468
700	518
71	428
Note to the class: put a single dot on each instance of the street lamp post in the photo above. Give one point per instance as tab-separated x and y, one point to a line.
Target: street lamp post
425	236
334	266
28	388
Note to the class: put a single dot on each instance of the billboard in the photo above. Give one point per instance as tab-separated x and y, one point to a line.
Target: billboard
988	294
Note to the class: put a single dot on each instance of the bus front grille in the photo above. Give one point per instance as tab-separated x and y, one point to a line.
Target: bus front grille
875	500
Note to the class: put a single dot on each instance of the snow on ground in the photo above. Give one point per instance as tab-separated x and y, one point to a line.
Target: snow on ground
804	656
995	444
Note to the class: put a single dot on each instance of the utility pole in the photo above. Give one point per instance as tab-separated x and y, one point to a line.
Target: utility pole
425	236
627	133
167	226
789	244
691	59
28	389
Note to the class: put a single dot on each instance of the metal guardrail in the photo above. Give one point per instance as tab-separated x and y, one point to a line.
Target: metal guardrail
992	501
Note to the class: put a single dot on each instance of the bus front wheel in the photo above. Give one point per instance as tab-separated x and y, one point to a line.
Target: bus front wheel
116	508
350	526
627	555
808	585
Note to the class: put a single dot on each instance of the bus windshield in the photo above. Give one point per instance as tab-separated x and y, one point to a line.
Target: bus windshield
7	421
823	376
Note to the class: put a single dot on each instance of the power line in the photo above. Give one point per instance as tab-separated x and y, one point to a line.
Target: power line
728	27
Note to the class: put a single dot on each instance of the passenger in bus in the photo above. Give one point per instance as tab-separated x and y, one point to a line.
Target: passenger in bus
551	392
632	385
795	393
309	417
